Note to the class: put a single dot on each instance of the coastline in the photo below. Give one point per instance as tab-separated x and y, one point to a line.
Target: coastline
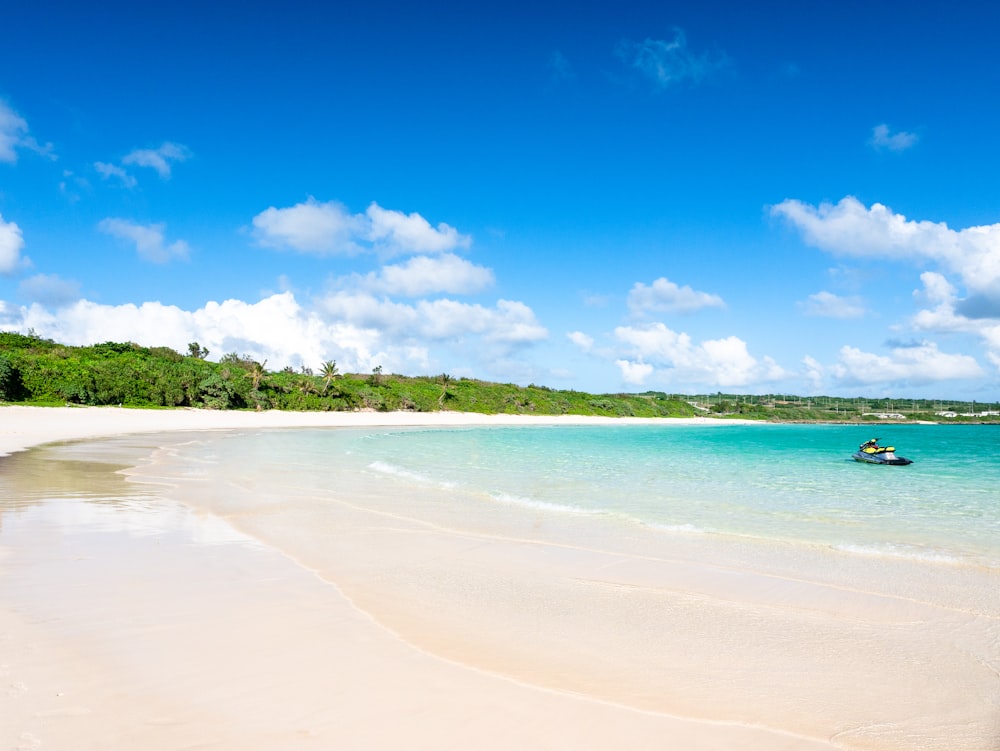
22	427
150	601
133	624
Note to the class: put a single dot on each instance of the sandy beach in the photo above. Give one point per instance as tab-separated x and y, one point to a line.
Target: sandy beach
170	623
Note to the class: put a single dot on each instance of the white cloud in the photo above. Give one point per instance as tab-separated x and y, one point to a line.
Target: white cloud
634	373
423	275
508	324
14	135
328	229
814	371
310	227
943	317
848	228
49	289
13	128
665	295
828	305
883	138
411	233
719	362
919	364
149	240
108	171
11	243
159	159
581	340
358	331
669	63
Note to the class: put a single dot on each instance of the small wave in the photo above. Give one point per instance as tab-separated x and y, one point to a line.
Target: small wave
901	552
405	474
514	500
397	471
685	528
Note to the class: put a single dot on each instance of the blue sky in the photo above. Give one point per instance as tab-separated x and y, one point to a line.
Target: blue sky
687	197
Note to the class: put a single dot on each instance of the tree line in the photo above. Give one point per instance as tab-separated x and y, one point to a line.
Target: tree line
34	370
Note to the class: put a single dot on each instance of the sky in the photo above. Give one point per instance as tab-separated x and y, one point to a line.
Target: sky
766	197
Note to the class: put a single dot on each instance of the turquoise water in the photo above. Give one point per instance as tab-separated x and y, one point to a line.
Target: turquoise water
789	483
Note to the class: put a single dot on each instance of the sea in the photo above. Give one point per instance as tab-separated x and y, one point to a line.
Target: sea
790	484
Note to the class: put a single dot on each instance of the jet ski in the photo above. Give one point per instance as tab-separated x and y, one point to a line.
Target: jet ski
871	453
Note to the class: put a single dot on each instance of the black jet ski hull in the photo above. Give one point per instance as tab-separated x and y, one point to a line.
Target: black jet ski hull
885	457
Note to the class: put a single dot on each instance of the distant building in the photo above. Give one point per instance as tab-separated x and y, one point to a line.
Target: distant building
885	415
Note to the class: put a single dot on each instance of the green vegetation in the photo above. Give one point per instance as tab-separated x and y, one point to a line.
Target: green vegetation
39	371
788	408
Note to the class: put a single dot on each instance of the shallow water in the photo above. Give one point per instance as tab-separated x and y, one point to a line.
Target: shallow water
793	484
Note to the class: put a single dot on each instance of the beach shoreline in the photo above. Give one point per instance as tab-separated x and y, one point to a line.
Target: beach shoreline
115	638
22	427
148	601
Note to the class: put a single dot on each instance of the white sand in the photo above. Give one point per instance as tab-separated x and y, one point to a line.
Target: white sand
130	641
22	427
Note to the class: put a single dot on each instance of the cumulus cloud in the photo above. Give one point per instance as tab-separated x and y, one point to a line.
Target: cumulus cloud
918	364
669	62
813	371
509	323
411	233
969	256
634	373
159	159
945	316
828	305
848	228
358	331
148	239
665	295
425	275
718	362
14	135
884	139
310	227
330	229
11	243
581	340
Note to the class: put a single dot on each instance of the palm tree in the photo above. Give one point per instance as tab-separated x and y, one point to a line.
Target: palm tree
445	380
328	372
257	374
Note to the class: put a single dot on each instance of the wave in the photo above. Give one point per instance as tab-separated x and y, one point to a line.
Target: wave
683	528
532	503
902	552
396	471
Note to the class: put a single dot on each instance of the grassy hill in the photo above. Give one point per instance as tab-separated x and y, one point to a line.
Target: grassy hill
39	371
